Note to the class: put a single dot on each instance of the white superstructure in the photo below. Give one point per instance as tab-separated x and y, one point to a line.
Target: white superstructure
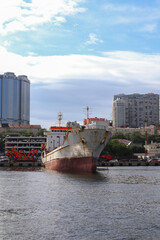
56	136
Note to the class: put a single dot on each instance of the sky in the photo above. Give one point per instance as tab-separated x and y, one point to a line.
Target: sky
79	53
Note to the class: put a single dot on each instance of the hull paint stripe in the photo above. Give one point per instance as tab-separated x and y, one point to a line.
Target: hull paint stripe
85	164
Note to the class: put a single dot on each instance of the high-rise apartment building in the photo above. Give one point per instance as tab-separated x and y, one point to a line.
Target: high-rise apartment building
135	109
14	99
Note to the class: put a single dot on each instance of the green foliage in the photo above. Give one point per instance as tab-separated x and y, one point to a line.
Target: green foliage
154	138
2	134
118	135
137	149
2	145
24	133
128	136
21	133
40	133
136	137
116	148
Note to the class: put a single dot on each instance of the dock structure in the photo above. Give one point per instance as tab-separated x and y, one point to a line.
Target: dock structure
128	164
38	164
24	145
21	164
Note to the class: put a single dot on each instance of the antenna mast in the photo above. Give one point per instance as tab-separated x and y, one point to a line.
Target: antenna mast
87	109
59	118
145	127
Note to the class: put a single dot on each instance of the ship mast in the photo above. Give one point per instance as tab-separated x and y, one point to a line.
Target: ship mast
59	118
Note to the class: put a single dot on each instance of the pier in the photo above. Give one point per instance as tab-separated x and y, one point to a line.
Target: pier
128	164
20	164
38	164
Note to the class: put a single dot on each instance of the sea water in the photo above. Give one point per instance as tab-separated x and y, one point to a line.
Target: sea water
115	203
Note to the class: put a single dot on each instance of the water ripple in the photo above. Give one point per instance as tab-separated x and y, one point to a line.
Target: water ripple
115	204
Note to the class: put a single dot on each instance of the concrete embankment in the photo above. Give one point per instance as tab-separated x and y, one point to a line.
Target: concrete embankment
128	164
30	164
24	164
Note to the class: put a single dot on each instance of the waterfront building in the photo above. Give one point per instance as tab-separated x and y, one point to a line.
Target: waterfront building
135	109
152	129
25	144
14	99
153	149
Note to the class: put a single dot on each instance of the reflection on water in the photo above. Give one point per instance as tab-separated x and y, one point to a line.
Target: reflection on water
115	203
87	177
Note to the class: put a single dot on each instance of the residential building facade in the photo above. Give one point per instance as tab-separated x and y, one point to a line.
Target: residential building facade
149	129
135	110
14	99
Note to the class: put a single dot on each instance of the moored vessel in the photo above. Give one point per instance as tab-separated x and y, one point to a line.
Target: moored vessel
78	148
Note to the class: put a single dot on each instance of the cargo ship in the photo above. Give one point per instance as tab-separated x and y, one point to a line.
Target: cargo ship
78	148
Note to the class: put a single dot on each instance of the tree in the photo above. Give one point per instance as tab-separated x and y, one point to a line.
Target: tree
2	145
138	138
116	148
135	137
154	138
40	133
137	149
118	135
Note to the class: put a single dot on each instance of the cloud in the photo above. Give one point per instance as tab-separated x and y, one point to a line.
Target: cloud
69	83
7	43
119	67
93	39
133	13
18	15
32	54
148	28
116	7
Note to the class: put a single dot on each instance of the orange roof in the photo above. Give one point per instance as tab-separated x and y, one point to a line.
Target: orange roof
92	119
59	128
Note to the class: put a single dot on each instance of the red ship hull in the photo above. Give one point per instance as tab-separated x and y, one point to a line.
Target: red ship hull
84	164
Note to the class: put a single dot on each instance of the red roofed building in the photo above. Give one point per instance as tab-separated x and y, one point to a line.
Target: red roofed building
126	142
59	128
92	119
